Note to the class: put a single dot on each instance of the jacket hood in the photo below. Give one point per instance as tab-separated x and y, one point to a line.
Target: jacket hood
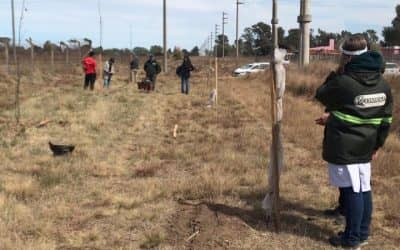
366	68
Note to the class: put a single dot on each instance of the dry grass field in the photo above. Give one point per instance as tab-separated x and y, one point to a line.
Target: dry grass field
130	184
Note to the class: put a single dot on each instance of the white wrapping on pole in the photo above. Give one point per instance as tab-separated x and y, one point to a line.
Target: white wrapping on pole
281	81
276	149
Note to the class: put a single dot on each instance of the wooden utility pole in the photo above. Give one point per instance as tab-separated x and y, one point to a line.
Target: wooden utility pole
237	31
165	61
276	126
304	20
215	48
101	41
13	32
224	18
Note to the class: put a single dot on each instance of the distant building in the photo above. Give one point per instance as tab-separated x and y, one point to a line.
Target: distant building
330	49
391	51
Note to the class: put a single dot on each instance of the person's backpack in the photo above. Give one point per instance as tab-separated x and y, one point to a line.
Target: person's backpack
179	70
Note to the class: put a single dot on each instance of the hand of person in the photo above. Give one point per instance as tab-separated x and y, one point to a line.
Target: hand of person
322	120
375	155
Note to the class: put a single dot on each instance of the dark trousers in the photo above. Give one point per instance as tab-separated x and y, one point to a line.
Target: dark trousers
153	79
358	213
342	210
90	79
185	85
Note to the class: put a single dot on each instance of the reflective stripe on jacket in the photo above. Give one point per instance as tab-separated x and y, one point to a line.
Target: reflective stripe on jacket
360	103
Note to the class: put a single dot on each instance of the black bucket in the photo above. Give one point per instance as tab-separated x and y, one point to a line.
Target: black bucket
59	150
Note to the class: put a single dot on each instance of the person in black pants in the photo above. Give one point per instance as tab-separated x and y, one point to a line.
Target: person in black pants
89	67
358	114
184	72
152	69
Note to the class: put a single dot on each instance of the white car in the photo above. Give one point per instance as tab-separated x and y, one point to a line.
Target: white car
251	68
392	69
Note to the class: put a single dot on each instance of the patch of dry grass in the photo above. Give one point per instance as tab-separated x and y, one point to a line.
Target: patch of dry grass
122	188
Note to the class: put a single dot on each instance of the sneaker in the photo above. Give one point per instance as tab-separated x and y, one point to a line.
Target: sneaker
363	243
338	242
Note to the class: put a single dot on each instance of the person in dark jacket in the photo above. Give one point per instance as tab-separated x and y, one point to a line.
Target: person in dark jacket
89	67
357	120
184	72
152	69
134	67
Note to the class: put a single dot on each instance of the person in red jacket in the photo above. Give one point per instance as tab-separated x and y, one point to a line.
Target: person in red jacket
89	66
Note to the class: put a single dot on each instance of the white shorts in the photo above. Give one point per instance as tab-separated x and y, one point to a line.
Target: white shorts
357	176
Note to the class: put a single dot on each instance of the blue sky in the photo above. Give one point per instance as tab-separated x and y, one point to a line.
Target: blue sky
189	21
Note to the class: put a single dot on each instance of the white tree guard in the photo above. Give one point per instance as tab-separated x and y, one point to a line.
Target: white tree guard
280	54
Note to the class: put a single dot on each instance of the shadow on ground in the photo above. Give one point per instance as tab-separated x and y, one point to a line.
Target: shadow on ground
296	218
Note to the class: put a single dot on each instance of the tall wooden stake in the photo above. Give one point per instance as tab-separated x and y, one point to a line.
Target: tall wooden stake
6	46
19	74
6	54
216	81
79	51
66	55
52	56
276	127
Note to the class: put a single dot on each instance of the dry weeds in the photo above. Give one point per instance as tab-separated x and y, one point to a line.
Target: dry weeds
130	184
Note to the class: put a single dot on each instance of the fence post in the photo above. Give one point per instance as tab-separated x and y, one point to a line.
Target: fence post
216	81
32	52
66	55
79	51
6	41
52	56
